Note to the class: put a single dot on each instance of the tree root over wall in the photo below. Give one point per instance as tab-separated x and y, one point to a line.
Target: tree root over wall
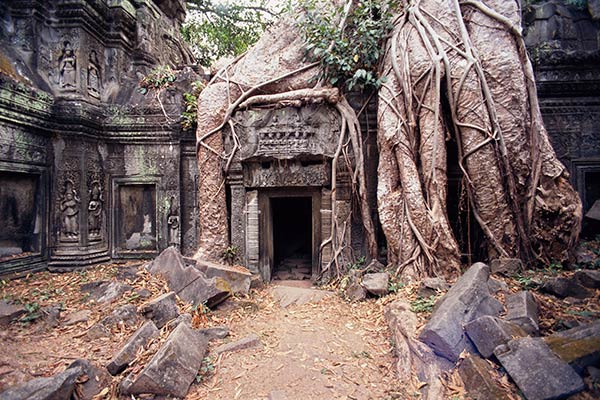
455	69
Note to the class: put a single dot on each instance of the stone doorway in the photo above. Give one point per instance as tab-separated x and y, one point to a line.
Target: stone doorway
292	237
290	233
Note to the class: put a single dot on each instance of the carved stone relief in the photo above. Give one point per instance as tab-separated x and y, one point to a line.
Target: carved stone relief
67	70
93	75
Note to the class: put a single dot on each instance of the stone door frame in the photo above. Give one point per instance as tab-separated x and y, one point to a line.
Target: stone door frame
266	248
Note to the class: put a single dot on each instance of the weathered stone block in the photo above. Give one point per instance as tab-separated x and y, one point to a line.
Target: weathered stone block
57	387
126	315
128	352
237	277
522	310
489	332
173	368
215	332
476	375
589	278
245	343
105	292
506	266
96	379
467	300
537	371
77	317
496	285
161	310
376	283
579	346
432	286
9	312
189	283
565	287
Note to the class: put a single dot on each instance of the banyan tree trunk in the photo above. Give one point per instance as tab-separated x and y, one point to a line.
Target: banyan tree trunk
458	69
455	70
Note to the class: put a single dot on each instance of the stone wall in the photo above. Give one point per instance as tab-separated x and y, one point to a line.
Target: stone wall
564	43
112	171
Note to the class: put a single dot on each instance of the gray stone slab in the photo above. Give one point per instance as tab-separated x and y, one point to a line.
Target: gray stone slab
506	266
215	332
9	312
77	317
57	387
522	310
245	343
489	332
537	371
469	298
566	287
187	281
376	283
237	277
579	346
105	291
590	278
161	309
128	352
173	368
476	375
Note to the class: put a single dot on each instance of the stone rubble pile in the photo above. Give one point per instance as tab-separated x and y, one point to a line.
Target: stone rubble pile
469	326
175	365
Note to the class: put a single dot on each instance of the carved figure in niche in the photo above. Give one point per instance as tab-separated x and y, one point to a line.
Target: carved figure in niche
173	223
69	208
68	68
93	79
95	210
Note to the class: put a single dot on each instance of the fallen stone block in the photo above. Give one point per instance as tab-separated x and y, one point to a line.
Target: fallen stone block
237	277
57	387
476	375
189	283
97	331
496	285
414	356
579	346
565	287
537	371
161	310
432	286
354	291
522	310
245	343
127	354
506	266
489	332
173	368
293	295
376	283
77	317
126	315
9	312
93	380
589	278
215	332
105	291
469	298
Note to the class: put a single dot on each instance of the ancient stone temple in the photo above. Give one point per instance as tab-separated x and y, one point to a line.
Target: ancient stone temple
92	169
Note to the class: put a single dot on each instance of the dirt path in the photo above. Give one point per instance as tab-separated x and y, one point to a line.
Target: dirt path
325	350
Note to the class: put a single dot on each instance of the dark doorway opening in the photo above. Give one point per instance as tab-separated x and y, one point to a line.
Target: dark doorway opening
292	237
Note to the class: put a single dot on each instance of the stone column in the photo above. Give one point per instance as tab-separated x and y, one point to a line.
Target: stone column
252	231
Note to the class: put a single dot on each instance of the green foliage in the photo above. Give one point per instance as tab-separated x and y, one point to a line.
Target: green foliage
526	280
349	56
159	78
32	312
206	369
359	263
218	28
190	100
394	286
230	254
554	268
423	304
